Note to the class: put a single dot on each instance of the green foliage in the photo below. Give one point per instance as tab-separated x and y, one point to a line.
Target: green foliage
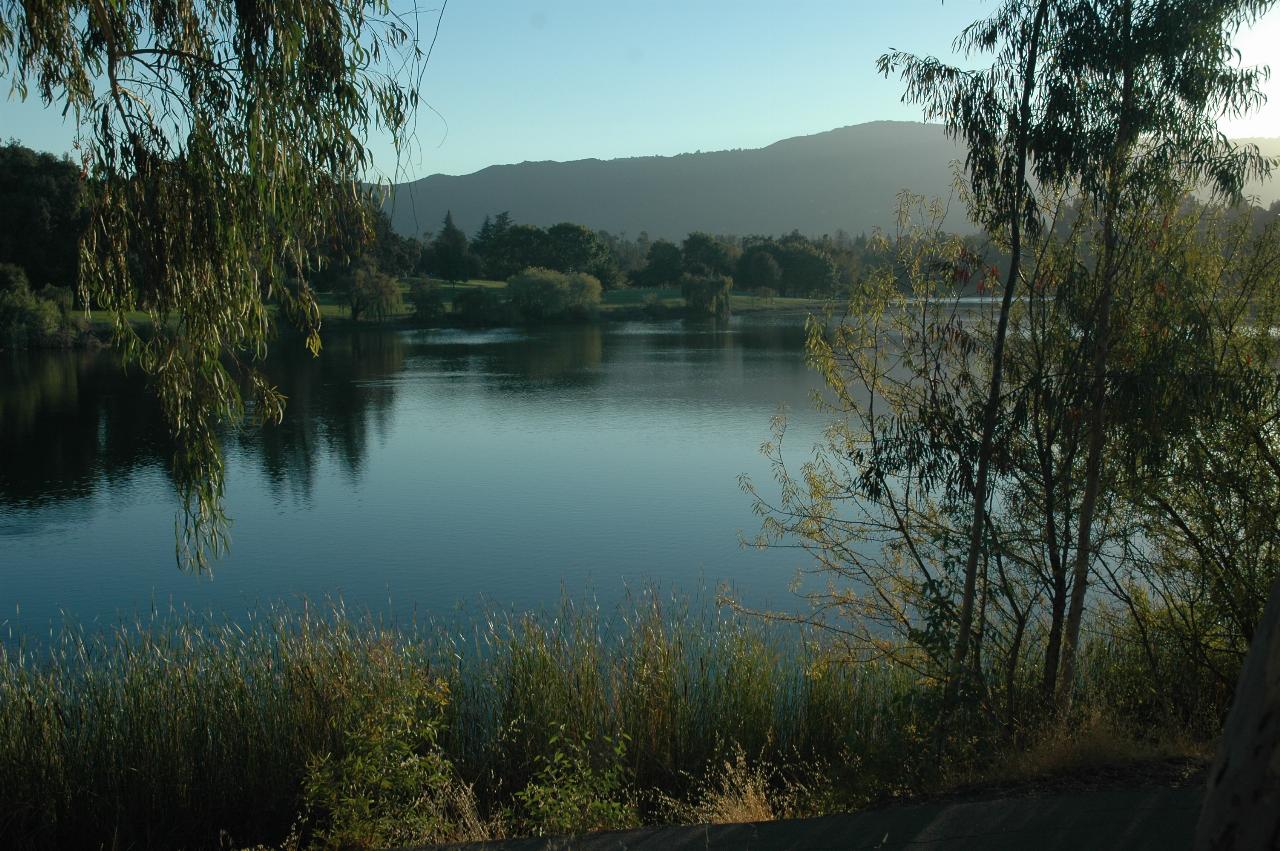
43	215
706	295
449	255
178	732
704	255
757	269
26	320
428	300
390	783
13	278
568	795
793	264
663	266
223	142
507	248
543	294
369	292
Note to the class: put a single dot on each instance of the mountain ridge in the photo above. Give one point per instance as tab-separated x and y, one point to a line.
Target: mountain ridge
847	178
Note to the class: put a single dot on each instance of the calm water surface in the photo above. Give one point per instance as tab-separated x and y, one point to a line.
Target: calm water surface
414	472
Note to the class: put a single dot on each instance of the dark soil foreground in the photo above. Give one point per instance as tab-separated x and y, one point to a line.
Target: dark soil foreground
1153	806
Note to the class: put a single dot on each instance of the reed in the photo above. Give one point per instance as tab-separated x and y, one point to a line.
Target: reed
182	730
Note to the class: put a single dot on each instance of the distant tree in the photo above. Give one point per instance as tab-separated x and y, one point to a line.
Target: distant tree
427	299
706	295
25	319
538	294
484	236
571	247
663	266
370	292
43	215
704	254
449	255
489	243
577	248
13	278
518	247
395	254
546	294
585	292
758	269
806	269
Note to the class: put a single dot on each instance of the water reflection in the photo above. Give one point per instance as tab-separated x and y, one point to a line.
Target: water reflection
426	467
70	421
335	402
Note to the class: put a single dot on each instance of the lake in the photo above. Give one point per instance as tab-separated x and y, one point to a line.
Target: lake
415	472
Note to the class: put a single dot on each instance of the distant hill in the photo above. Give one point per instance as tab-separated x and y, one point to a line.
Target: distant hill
842	179
846	178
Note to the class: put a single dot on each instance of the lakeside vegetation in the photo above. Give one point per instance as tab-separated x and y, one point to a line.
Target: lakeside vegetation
318	728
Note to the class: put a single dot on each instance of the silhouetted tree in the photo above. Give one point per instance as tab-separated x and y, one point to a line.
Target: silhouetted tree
449	255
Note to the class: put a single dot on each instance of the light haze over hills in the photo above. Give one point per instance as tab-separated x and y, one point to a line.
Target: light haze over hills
847	179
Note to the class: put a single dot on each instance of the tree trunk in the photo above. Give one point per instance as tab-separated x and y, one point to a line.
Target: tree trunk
1242	803
992	407
1058	608
1098	391
1088	504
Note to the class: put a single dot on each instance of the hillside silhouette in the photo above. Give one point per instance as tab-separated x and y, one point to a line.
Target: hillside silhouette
847	178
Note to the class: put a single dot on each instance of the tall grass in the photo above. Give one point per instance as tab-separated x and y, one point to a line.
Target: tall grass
182	731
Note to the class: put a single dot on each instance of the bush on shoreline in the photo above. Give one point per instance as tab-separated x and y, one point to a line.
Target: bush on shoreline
36	320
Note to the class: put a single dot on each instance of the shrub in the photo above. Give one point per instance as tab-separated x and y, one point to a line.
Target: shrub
706	295
26	320
545	294
584	295
374	294
392	784
428	300
61	297
569	795
13	278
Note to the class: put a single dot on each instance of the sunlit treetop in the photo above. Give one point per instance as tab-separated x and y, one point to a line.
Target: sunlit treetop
222	142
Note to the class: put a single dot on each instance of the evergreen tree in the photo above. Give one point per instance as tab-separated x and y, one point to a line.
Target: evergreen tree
449	256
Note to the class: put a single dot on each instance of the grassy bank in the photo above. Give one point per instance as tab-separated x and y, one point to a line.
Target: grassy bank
318	728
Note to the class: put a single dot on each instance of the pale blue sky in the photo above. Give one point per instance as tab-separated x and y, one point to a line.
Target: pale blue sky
566	79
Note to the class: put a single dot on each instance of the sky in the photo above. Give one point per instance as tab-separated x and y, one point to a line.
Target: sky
569	79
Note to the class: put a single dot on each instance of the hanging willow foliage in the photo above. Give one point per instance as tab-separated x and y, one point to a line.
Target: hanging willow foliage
223	141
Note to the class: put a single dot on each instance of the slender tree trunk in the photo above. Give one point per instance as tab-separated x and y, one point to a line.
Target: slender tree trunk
1011	671
992	408
1088	507
1058	597
1057	609
1098	394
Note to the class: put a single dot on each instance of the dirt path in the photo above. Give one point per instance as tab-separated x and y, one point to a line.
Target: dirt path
1081	813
